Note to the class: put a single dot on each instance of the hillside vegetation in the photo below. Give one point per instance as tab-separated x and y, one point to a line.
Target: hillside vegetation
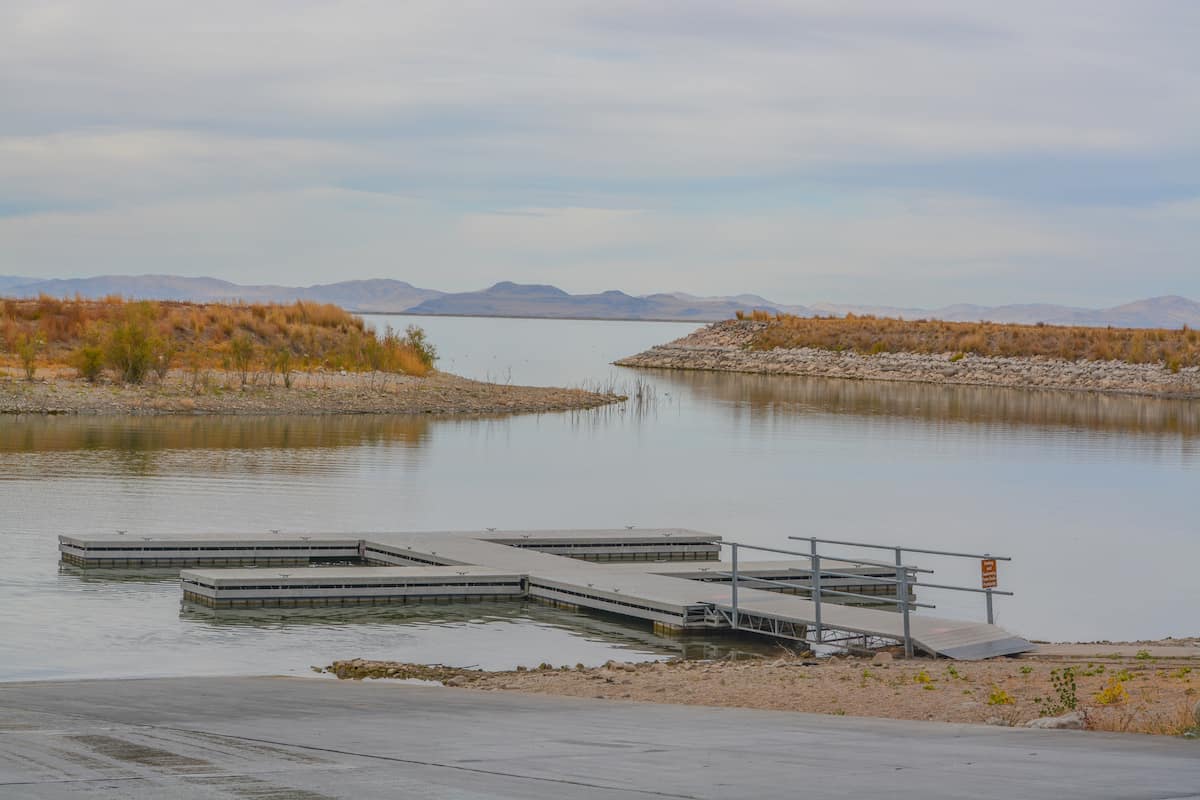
866	334
131	341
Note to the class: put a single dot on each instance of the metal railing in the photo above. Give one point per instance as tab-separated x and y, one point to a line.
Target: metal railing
899	552
905	580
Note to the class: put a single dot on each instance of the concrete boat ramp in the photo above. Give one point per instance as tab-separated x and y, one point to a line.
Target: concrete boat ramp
671	578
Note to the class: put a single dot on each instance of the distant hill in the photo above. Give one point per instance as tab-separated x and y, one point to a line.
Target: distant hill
7	281
1155	312
371	295
507	299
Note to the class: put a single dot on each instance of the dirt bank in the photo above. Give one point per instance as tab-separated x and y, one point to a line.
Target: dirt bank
1154	695
726	347
217	392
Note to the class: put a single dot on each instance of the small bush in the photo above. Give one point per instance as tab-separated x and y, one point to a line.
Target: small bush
89	362
27	348
1112	694
130	347
999	697
241	355
1066	696
282	362
922	677
415	338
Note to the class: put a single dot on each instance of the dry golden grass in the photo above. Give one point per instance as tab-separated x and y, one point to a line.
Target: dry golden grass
865	334
1143	717
49	331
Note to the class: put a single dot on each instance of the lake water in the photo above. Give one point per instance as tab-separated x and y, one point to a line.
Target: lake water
1094	497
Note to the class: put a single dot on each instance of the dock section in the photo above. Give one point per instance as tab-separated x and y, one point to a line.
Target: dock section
256	588
213	550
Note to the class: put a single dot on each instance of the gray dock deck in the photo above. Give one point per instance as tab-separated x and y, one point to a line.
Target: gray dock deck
667	577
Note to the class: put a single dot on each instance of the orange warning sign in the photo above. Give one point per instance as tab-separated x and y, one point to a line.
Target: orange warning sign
988	571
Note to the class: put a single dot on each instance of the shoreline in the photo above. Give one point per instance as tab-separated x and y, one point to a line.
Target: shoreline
724	347
57	392
1157	694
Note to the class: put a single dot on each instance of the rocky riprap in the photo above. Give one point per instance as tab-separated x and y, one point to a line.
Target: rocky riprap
725	347
59	392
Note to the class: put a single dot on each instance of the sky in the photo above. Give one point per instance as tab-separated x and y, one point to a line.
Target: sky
917	153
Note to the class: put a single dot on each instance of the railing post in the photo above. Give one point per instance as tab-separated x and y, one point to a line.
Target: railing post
902	600
816	590
734	586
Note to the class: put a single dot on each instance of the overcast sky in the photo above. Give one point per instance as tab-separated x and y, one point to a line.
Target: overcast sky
917	152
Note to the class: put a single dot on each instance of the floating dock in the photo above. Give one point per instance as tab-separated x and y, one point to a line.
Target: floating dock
242	588
211	550
671	578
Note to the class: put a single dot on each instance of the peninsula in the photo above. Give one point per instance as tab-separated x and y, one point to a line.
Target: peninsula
113	356
1136	361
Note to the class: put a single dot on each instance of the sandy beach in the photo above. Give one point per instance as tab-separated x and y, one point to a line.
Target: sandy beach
1150	689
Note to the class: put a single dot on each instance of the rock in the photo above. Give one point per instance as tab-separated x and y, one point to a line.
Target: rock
995	721
1074	721
882	659
456	681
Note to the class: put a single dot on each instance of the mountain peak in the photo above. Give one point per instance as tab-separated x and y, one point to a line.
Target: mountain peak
531	289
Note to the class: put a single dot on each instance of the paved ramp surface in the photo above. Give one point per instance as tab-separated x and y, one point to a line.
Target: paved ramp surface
314	739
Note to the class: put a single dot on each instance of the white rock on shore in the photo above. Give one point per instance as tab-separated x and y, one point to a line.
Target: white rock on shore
1075	721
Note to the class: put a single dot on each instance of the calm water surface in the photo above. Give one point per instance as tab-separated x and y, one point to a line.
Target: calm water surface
1094	498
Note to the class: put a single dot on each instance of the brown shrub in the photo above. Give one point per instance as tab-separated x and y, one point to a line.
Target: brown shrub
865	334
202	335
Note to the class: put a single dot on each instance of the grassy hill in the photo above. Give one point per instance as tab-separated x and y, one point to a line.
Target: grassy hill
131	340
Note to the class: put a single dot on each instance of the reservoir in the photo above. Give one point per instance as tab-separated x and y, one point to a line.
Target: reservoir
1092	496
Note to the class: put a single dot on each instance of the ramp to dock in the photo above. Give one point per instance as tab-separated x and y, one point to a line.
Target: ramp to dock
669	577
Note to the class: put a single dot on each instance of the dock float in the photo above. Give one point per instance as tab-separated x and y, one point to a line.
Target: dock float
671	578
241	588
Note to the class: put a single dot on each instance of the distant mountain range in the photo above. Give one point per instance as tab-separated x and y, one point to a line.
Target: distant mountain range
508	299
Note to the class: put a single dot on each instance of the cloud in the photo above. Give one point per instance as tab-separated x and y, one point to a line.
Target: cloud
602	142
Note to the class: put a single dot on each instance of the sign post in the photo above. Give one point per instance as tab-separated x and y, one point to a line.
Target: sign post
988	579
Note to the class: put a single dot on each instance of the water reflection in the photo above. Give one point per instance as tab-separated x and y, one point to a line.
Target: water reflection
762	395
141	434
612	631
